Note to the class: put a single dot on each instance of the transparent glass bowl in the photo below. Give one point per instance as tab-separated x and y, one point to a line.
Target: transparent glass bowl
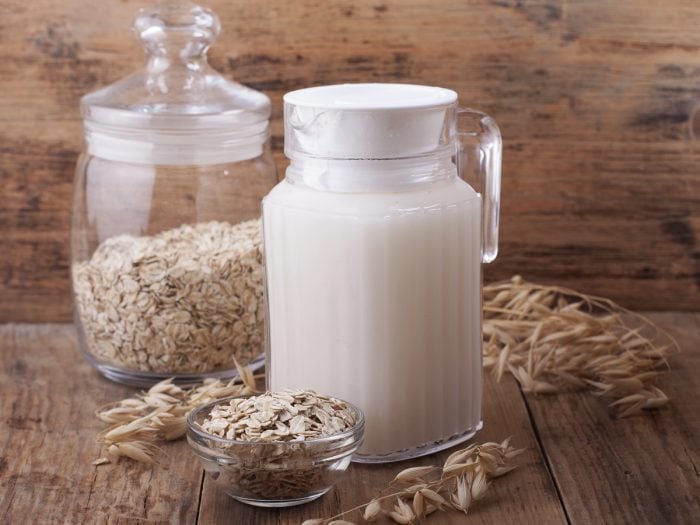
273	474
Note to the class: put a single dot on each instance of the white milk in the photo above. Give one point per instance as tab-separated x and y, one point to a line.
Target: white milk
376	298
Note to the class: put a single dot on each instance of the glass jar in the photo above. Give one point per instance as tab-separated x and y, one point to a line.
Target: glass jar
373	249
166	258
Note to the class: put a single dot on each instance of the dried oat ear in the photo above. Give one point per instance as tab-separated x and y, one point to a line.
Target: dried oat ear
158	415
551	339
417	492
246	375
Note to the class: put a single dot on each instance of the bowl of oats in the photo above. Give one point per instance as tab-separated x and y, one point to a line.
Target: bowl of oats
276	449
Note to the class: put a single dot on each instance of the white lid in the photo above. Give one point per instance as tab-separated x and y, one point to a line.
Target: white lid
177	110
369	121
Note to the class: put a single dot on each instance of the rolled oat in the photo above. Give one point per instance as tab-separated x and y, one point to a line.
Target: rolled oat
187	300
289	415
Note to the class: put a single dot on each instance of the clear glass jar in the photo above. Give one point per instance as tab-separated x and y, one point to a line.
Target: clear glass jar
373	248
166	248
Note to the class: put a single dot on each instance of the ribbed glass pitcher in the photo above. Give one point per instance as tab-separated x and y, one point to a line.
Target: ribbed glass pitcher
373	248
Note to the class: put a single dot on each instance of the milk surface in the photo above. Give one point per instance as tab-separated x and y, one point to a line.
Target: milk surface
376	298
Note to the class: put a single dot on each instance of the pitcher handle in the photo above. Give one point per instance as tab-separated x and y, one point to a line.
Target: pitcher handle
479	164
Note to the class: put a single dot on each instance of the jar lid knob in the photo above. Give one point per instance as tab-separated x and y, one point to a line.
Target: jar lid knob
177	29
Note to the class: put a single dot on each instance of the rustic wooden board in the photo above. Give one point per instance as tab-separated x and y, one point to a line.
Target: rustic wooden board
637	470
527	493
48	396
593	98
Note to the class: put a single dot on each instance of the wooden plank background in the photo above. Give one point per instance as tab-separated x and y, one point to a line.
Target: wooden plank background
594	98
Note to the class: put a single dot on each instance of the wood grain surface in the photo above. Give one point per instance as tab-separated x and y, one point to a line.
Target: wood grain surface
581	466
637	470
48	399
595	100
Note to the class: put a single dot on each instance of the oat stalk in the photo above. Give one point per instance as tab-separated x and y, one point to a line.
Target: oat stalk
418	492
552	338
138	424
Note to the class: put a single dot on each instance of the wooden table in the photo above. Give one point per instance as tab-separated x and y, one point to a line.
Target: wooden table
581	466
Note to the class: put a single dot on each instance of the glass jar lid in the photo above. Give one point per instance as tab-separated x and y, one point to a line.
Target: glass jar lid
177	110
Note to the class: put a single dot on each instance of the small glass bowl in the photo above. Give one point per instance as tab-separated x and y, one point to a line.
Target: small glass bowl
275	473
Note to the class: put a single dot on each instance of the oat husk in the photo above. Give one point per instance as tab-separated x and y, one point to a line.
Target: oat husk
137	425
553	339
417	492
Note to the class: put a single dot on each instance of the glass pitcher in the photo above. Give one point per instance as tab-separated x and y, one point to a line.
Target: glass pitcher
166	244
373	248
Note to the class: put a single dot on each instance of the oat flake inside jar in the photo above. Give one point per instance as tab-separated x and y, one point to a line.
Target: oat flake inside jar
166	257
